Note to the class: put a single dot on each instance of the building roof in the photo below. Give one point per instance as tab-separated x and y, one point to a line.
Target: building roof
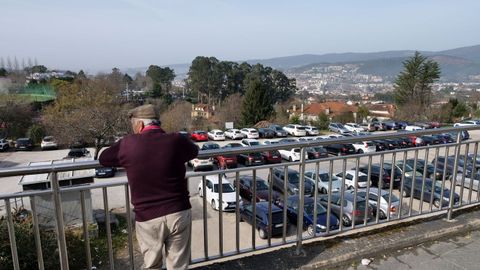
334	107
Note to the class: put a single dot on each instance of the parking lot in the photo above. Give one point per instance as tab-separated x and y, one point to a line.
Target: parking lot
229	225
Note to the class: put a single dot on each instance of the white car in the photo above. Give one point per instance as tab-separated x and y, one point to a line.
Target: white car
295	130
48	143
216	135
384	198
234	134
4	145
292	154
249	133
306	139
204	164
466	123
354	128
213	196
250	142
312	131
364	147
323	179
351	181
413	128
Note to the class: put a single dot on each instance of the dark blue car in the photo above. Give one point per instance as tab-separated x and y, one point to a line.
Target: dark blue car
292	213
246	214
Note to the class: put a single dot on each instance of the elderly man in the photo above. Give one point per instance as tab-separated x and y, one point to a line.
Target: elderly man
155	165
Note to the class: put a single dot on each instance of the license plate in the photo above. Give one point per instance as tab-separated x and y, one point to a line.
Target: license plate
257	161
274	156
229	161
278	225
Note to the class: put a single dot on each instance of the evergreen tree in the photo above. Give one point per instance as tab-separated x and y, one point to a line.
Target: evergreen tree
258	102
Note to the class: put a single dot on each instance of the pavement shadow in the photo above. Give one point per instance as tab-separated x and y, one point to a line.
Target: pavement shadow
8	164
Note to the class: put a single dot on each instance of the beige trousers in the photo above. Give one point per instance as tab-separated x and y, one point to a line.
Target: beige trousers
171	232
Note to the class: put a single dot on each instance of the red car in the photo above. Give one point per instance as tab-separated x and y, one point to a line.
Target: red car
226	161
272	156
199	136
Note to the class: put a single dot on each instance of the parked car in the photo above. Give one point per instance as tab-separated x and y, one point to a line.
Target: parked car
393	144
292	205
262	218
390	125
293	182
354	128
233	134
272	156
428	192
338	128
431	173
467	123
249	133
364	147
232	145
448	163
181	132
311	131
377	124
374	194
210	146
295	130
423	125
468	182
226	161
340	149
323	181
375	175
78	152
212	191
293	154
464	135
351	179
288	140
105	172
199	136
216	135
24	144
444	138
402	124
380	145
4	145
279	131
251	159
349	215
266	133
413	128
429	140
245	185
250	142
316	152
201	164
48	142
368	127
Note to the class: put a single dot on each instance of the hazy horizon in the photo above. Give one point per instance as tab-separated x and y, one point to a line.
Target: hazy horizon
100	35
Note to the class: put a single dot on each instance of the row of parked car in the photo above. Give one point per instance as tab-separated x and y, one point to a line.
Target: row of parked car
26	144
363	207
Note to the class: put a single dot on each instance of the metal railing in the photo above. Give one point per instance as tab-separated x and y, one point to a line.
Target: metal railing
343	210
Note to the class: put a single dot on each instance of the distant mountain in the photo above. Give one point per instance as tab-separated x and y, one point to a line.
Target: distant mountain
456	63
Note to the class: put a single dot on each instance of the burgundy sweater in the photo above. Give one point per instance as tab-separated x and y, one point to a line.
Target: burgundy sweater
155	165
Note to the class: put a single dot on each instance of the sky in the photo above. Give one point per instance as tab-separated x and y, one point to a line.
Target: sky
101	34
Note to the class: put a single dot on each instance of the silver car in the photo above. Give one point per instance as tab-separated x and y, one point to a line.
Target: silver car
385	195
323	177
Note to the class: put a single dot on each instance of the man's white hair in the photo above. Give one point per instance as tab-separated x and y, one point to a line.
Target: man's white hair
145	121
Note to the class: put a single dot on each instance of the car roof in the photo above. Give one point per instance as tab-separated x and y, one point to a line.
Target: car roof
214	179
354	171
250	178
320	171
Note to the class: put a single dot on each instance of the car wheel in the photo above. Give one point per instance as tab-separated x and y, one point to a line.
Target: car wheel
310	230
200	192
214	205
323	190
360	151
263	234
346	221
382	215
405	194
290	159
436	203
350	187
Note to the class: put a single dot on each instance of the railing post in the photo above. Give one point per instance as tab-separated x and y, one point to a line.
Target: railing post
11	235
301	202
57	202
454	177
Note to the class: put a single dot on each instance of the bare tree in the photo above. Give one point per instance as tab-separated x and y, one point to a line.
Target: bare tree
229	111
15	116
177	117
86	110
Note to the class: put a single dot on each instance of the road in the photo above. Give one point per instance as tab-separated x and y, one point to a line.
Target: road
456	253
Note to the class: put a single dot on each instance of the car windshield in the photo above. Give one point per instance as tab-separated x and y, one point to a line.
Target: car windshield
210	146
226	188
387	196
340	126
261	185
320	149
300	128
310	207
254	143
324	177
293	178
362	178
48	139
296	150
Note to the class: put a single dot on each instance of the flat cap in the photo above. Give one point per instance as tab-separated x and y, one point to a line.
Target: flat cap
143	112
